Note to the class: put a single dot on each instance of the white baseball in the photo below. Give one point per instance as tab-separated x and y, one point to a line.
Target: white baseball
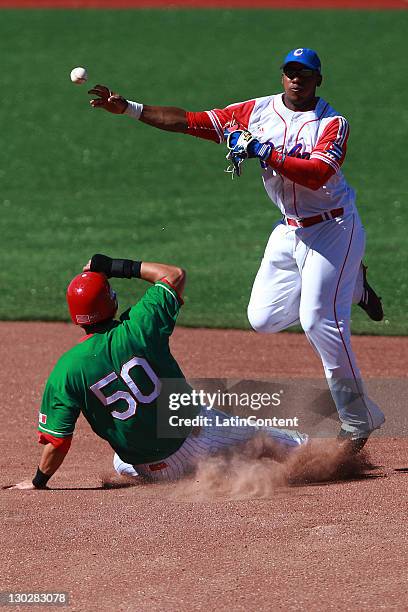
79	75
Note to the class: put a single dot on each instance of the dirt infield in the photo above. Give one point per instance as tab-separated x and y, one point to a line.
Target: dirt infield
339	545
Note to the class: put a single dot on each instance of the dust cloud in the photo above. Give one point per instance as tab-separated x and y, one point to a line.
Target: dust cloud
259	470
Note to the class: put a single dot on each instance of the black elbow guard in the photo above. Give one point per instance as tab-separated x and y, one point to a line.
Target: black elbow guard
115	268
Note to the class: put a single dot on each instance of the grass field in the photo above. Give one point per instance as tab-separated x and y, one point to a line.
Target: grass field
77	181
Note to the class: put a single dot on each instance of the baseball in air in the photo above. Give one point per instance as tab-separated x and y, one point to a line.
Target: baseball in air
79	75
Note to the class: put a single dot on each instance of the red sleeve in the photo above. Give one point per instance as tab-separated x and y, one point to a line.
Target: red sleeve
63	444
332	144
311	173
325	159
166	280
210	124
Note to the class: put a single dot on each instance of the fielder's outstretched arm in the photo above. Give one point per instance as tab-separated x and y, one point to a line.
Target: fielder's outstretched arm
170	118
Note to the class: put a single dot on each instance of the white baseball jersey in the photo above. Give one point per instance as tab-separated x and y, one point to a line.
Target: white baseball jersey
308	275
320	133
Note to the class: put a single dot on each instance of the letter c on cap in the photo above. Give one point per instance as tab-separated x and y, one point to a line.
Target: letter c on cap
298	52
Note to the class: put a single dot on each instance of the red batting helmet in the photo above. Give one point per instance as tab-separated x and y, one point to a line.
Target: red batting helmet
91	299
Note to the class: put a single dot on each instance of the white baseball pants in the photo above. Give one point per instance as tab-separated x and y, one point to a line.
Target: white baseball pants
311	276
209	441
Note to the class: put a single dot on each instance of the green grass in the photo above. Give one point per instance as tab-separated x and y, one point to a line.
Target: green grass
77	181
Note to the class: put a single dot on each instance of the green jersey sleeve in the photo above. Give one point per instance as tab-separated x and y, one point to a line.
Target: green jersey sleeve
155	314
59	409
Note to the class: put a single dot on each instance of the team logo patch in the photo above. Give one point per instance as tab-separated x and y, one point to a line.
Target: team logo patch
42	418
334	151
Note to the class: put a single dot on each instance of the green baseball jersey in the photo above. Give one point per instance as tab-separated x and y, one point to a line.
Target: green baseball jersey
118	378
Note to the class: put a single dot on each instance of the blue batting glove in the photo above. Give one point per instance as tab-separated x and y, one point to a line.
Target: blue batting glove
243	144
259	149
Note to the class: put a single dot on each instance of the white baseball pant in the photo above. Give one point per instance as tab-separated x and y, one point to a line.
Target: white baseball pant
311	276
209	441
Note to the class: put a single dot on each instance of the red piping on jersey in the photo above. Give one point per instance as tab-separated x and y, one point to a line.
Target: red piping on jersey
311	121
294	198
85	338
286	127
284	135
296	141
166	280
338	326
62	444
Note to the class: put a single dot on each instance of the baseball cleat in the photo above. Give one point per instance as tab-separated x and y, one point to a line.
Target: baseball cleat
370	302
354	444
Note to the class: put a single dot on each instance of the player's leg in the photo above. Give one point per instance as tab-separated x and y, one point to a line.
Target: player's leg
275	296
366	297
328	281
358	285
215	437
230	433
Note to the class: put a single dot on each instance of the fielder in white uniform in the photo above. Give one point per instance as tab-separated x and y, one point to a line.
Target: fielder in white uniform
312	268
